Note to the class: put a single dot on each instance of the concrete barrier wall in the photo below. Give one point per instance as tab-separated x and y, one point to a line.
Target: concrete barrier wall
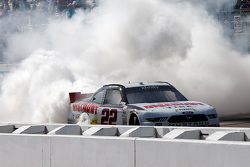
65	151
24	150
123	146
92	152
185	153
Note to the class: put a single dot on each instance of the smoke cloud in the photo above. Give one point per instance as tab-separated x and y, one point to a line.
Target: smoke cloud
120	41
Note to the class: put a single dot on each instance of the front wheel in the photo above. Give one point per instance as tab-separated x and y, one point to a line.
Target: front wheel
133	120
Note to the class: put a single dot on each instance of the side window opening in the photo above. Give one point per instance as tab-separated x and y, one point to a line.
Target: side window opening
113	97
98	97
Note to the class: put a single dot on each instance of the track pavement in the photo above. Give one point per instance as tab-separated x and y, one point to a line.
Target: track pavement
236	121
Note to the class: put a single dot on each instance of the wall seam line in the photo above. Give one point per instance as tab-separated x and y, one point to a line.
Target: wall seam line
50	151
135	152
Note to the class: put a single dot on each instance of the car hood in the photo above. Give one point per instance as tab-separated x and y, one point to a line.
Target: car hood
179	106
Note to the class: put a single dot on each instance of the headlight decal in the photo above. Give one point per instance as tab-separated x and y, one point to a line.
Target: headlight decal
212	116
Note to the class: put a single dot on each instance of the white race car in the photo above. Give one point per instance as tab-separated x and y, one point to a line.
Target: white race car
141	103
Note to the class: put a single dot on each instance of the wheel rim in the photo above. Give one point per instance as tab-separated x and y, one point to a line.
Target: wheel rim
134	120
84	119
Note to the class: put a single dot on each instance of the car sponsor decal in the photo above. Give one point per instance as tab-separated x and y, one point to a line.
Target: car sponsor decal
173	105
85	107
202	123
93	121
150	87
187	111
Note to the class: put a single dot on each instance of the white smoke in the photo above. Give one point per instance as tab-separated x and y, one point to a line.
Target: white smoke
120	41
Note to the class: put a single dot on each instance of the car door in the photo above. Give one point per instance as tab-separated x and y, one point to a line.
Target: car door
93	106
111	112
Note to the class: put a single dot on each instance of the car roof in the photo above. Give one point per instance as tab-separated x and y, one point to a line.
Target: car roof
139	84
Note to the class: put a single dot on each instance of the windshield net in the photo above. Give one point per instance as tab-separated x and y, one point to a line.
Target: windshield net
153	94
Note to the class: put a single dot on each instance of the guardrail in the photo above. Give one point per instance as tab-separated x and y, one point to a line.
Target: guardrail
52	145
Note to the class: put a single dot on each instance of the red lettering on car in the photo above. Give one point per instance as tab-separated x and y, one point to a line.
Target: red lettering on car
172	104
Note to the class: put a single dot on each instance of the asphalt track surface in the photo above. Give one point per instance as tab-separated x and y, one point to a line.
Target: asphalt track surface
236	121
240	124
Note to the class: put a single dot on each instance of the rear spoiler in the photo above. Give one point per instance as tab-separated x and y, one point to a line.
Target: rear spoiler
75	96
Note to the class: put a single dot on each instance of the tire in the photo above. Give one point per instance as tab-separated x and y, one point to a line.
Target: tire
84	119
133	120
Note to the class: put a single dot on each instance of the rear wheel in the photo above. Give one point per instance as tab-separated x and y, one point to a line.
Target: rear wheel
84	119
133	120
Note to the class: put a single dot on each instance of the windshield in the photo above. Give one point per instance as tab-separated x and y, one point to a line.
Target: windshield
153	94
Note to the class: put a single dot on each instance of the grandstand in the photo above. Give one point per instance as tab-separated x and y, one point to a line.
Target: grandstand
235	18
242	7
50	6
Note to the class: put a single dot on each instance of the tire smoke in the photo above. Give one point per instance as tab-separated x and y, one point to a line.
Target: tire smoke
120	41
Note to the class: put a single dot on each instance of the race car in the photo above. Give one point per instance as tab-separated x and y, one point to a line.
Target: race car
140	103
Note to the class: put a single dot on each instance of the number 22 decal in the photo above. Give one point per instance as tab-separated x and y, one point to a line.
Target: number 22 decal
109	116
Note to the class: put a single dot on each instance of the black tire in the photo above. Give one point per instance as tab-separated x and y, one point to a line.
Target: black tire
133	120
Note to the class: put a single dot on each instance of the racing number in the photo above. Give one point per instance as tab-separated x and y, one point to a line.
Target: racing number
109	116
112	116
105	116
